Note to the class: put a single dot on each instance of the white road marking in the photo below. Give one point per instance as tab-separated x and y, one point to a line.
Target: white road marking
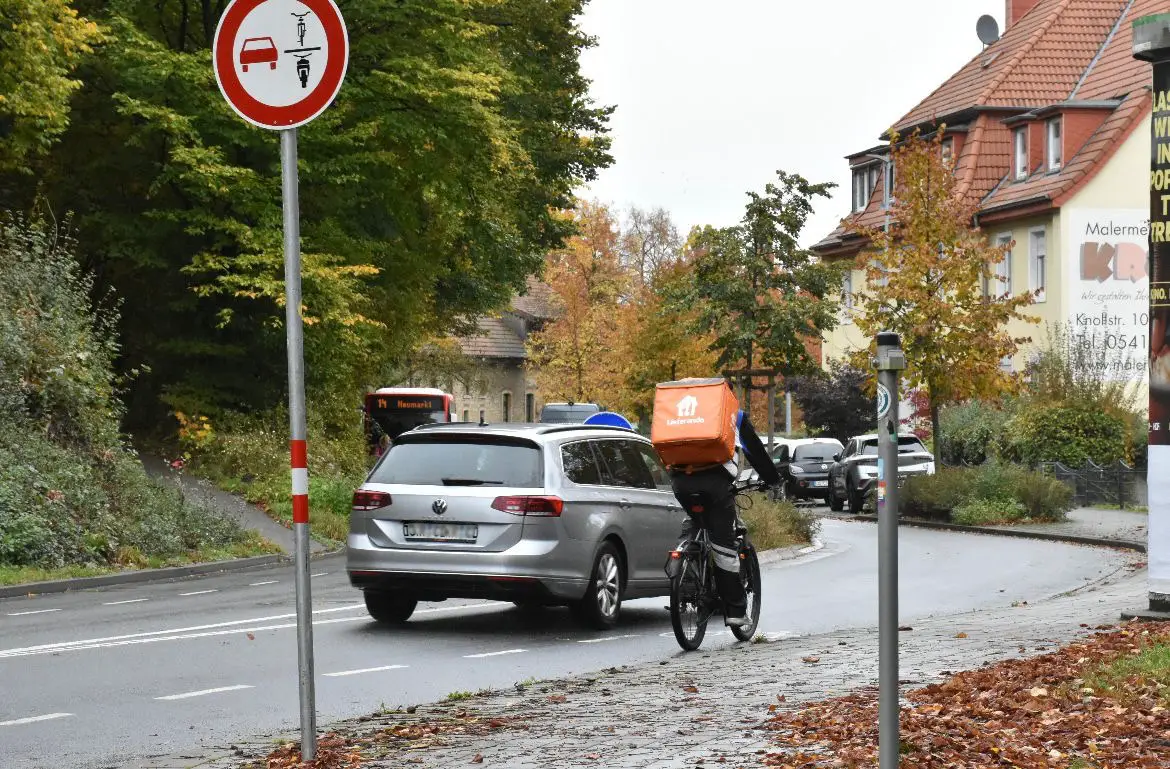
34	719
364	670
266	582
25	613
199	592
217	690
320	574
237	626
119	603
493	654
608	638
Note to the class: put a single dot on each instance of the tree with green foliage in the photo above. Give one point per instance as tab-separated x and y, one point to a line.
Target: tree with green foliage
42	42
926	279
766	300
428	190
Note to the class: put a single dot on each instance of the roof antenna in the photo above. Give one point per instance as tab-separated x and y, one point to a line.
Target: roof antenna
988	29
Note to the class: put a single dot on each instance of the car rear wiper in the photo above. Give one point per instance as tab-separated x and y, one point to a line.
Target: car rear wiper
469	482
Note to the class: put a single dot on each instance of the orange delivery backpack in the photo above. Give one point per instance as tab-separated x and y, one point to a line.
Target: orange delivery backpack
694	422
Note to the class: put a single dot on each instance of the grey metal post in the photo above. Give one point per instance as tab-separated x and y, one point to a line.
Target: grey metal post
890	362
788	413
297	429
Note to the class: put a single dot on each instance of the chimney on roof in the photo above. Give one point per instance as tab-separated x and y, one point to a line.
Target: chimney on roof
1015	11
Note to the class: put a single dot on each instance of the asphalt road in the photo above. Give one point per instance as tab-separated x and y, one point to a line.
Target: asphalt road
94	679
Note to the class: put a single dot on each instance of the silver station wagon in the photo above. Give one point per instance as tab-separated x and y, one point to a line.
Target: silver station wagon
571	515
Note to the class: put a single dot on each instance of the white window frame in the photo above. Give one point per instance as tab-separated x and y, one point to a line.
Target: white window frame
863	180
1054	131
948	150
1003	268
1038	263
1020	152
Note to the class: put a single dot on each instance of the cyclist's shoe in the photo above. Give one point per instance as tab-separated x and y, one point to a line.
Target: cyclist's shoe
737	621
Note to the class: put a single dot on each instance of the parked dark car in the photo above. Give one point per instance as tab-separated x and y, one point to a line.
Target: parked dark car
804	466
855	471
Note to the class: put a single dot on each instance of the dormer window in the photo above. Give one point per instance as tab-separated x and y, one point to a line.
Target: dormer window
948	151
1055	145
1020	143
863	181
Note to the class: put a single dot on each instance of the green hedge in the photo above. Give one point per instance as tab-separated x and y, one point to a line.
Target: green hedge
992	493
1068	434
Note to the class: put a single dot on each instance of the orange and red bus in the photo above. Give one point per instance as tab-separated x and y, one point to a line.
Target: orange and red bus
391	411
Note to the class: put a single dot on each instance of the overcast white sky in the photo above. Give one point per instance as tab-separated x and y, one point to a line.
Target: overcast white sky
713	96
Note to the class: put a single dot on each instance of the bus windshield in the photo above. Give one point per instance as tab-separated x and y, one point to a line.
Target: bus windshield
389	416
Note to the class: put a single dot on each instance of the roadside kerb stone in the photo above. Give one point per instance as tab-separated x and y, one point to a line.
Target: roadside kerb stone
1010	531
168	574
708	707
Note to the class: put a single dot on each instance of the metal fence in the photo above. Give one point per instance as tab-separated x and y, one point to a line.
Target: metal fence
1093	484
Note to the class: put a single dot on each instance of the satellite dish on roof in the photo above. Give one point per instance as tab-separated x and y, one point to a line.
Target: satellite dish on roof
987	28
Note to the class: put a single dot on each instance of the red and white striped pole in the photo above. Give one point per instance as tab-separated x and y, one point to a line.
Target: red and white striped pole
298	450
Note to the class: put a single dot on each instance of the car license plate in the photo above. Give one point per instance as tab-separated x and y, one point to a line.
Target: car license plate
440	532
820	484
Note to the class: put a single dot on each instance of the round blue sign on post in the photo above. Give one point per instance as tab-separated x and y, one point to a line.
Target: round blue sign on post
609	419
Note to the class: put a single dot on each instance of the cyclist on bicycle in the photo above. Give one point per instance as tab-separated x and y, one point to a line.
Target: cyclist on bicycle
715	485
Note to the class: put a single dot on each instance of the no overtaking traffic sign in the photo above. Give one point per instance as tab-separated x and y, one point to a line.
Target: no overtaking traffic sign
279	63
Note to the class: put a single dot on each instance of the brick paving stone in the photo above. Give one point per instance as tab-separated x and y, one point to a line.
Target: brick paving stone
704	708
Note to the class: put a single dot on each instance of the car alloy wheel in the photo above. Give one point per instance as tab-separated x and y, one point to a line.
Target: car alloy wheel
608	584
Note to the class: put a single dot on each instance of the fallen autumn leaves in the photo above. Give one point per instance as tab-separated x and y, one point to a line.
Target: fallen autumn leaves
1029	714
351	750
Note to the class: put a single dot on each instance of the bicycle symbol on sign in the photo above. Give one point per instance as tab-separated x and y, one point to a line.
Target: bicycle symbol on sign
302	53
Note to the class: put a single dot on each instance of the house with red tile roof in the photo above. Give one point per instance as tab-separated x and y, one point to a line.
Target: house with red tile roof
1047	129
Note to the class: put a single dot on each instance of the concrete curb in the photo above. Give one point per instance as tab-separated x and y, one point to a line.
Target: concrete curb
154	575
1119	544
790	553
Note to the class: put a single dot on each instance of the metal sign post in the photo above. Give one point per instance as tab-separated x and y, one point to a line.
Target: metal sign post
890	362
279	64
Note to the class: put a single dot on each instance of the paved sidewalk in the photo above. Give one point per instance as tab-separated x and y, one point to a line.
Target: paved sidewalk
1122	525
700	708
200	492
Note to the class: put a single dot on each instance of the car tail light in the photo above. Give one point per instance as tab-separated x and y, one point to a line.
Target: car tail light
364	501
548	507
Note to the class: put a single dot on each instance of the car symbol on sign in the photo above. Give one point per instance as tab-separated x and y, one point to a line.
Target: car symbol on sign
258	50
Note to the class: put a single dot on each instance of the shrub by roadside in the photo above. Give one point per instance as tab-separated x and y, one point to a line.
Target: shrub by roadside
249	456
778	524
73	497
988	494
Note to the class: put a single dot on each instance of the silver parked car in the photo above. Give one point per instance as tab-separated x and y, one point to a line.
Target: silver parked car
573	515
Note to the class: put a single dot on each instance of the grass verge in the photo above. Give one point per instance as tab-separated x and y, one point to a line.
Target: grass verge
1147	671
251	545
778	524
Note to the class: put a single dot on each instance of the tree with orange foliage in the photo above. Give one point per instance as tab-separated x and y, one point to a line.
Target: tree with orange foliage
569	356
925	280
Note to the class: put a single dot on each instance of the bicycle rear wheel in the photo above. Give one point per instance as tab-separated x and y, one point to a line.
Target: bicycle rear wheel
749	573
687	616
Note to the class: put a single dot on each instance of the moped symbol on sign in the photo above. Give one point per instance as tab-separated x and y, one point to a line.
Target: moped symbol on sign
883	401
280	63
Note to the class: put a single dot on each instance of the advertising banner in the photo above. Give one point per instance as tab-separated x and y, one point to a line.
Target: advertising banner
1109	291
1159	458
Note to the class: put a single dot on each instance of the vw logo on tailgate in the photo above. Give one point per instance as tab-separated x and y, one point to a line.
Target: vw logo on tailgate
439	506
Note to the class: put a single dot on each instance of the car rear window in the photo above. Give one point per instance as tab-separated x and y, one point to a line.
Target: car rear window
823	452
906	445
455	461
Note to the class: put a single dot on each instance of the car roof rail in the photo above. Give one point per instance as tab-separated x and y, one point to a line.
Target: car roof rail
572	427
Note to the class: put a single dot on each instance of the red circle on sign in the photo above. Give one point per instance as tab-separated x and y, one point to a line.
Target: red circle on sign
292	115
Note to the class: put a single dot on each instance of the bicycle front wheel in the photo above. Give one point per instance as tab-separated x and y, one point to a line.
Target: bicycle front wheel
749	573
686	606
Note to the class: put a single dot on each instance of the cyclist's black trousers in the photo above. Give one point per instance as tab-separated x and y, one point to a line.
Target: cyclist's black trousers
714	487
